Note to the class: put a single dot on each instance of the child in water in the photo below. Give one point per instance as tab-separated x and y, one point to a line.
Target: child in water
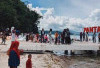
29	62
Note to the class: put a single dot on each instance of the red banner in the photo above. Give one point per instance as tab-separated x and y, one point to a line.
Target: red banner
92	29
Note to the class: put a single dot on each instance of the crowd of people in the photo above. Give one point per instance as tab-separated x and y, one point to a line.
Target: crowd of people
58	38
6	33
48	37
85	37
3	38
14	53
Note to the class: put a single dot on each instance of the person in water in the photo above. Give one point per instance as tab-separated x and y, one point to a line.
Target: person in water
14	55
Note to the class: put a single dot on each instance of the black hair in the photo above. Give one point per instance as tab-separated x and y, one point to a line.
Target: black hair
50	29
29	55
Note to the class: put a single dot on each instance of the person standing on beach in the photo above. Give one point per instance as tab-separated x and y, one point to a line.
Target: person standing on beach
64	39
46	38
31	37
3	38
7	32
67	36
94	37
99	37
14	55
37	38
17	33
86	36
56	37
13	33
42	35
27	37
81	35
59	39
63	36
29	62
50	36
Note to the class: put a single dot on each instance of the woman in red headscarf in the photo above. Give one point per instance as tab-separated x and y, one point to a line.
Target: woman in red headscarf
14	55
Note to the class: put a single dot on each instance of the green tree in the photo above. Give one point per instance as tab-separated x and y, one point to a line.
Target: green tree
15	13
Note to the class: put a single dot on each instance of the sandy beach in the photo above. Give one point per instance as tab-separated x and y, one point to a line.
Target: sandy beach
53	61
50	33
48	60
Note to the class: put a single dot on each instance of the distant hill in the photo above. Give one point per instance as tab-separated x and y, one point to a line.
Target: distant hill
72	32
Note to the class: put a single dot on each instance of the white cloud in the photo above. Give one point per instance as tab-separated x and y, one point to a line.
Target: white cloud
62	22
49	12
38	10
95	15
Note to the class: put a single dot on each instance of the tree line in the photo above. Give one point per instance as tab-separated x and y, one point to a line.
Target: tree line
15	13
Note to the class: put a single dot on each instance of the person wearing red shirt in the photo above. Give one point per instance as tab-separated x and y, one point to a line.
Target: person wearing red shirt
29	62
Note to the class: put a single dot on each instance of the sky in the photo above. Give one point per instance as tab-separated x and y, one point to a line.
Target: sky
61	14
